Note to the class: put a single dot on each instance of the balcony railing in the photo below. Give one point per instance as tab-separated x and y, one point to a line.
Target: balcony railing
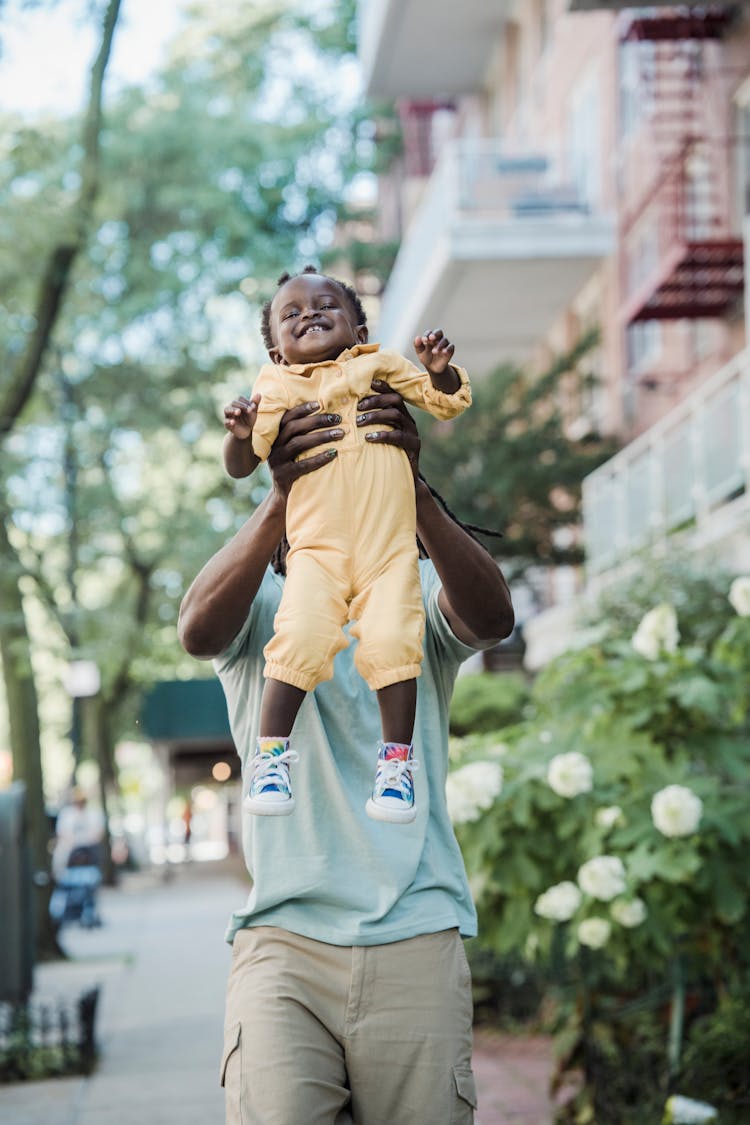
488	203
679	474
487	177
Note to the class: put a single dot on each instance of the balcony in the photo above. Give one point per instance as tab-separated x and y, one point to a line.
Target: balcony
500	246
408	48
689	473
620	5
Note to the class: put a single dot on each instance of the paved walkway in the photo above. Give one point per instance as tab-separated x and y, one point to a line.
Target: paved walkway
162	965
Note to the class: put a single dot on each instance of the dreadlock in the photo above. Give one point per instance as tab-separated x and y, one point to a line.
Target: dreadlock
349	292
278	559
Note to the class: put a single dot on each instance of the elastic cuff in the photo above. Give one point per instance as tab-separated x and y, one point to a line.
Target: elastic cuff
393	676
444	404
302	680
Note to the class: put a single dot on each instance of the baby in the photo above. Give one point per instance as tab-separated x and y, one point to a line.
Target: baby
351	529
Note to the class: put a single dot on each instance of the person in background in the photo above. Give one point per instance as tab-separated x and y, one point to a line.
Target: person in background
78	825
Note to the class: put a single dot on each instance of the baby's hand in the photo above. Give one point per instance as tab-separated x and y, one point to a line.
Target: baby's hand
240	415
435	351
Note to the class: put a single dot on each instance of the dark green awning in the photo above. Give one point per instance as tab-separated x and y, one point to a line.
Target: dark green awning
178	710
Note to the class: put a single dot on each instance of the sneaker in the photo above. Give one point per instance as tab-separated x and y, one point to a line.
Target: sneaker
270	792
393	795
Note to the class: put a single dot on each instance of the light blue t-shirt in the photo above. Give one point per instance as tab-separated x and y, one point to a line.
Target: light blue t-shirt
328	871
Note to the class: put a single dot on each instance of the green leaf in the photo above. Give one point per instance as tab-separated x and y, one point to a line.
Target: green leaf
698	693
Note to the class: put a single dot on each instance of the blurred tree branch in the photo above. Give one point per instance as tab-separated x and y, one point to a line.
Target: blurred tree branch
57	270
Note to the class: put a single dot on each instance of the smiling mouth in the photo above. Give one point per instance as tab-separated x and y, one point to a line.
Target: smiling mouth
313	328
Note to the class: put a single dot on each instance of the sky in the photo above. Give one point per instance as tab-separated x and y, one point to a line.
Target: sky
46	50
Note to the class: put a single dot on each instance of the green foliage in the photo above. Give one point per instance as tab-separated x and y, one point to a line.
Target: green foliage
507	991
698	594
622	1055
715	1066
508	464
671	890
487	702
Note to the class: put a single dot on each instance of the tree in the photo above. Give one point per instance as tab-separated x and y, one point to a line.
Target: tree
20	378
509	465
226	169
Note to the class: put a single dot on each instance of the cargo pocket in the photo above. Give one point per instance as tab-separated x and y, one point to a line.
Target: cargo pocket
230	1074
466	1096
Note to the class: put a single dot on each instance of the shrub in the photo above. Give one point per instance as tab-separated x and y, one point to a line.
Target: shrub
619	834
715	1065
488	702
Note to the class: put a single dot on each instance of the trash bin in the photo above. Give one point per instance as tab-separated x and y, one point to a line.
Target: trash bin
16	897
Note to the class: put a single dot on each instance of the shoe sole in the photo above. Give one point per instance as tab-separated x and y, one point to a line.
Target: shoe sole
390	816
268	808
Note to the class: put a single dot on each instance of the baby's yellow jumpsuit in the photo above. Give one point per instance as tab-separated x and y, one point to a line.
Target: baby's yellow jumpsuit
351	526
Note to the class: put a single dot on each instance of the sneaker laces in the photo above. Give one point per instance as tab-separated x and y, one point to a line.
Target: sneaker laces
272	769
391	772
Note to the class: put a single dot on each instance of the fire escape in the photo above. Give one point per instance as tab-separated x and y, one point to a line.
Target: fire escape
682	255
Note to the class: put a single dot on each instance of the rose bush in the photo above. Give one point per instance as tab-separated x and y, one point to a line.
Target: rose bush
621	829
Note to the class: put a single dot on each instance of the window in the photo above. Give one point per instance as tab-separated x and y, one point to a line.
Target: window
643	344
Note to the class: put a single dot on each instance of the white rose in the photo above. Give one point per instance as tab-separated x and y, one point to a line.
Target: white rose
609	816
676	810
629	914
559	903
594	932
657	632
570	774
739	596
471	789
602	877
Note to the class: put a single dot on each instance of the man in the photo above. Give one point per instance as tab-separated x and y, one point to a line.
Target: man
349	997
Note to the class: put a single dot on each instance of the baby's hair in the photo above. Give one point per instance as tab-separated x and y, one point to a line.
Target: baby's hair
278	559
349	292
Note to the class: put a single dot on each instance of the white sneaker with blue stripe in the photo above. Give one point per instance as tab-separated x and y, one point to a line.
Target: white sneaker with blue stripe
270	789
392	797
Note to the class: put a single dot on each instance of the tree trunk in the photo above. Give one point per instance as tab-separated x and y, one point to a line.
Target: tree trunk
15	651
103	748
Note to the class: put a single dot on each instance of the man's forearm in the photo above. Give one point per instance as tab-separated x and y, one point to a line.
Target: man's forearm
219	599
475	596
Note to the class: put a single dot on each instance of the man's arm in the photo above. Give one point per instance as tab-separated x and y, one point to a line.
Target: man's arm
474	597
219	599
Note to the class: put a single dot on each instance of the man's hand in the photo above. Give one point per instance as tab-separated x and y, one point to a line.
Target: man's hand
385	407
301	430
240	415
434	351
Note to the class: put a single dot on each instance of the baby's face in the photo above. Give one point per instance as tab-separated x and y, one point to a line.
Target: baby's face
312	320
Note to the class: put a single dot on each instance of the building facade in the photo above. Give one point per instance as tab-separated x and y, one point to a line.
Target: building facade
570	164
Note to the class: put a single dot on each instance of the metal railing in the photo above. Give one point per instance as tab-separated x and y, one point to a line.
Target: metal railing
487	184
679	474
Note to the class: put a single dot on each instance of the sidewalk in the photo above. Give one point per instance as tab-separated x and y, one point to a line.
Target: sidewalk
162	964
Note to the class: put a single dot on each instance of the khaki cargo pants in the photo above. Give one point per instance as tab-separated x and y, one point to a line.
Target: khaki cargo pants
319	1034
